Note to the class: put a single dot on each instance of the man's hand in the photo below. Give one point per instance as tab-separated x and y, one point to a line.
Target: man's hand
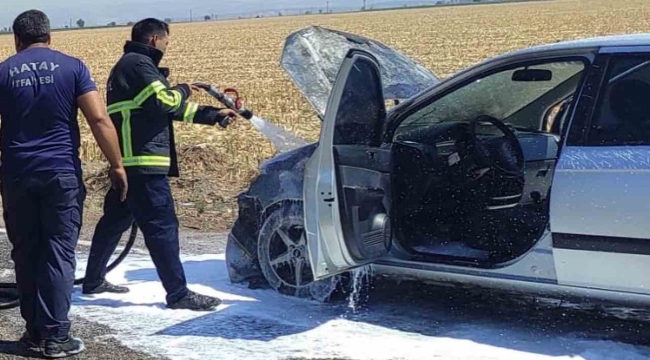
227	117
119	181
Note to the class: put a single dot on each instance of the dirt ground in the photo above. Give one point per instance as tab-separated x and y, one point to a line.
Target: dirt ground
201	204
98	344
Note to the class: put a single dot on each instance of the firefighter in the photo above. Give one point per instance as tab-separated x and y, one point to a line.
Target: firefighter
143	106
42	189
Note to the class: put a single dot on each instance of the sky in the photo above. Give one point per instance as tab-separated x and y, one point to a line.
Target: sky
102	12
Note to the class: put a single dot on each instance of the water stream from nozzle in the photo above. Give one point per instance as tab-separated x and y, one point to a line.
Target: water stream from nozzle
281	139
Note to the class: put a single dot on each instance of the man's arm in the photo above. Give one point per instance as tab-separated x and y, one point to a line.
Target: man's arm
105	133
192	113
156	97
101	126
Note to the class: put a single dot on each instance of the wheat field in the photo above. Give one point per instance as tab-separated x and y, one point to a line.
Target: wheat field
216	164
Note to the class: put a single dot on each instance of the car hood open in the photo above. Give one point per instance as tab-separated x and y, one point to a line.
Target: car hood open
312	58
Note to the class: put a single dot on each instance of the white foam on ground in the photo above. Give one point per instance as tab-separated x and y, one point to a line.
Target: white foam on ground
260	324
5	273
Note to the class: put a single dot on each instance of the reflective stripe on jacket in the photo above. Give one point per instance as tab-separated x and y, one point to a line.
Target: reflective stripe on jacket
143	106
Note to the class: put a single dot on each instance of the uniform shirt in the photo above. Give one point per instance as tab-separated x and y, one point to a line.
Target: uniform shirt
38	109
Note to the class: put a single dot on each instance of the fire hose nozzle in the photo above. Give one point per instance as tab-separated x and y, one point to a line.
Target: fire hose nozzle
232	102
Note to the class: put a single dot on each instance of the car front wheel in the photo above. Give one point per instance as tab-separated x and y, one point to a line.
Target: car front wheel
284	255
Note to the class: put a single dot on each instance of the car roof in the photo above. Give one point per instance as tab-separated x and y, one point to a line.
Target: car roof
587	43
590	44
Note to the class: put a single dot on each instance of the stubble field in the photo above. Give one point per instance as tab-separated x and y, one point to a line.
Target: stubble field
217	164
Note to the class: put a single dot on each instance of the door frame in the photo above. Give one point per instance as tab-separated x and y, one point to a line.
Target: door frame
401	113
328	252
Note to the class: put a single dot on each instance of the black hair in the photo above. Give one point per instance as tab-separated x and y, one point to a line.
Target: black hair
31	27
143	30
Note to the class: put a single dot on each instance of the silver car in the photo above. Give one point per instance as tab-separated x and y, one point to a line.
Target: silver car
527	173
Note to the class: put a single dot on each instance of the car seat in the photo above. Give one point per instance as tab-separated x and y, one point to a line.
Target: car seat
630	106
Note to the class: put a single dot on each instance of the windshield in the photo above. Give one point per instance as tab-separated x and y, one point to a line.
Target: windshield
501	97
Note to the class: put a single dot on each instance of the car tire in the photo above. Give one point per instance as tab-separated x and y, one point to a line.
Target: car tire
284	258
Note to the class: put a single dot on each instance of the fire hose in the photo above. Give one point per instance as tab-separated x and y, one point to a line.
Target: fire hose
8	291
230	99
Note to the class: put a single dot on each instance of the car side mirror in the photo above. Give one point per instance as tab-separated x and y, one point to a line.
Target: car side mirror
530	75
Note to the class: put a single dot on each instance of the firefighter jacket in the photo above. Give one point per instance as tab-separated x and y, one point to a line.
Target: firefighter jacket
143	106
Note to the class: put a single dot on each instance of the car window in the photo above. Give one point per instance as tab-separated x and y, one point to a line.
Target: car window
622	115
362	111
523	104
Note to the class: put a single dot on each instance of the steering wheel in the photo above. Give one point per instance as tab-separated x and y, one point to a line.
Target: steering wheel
503	154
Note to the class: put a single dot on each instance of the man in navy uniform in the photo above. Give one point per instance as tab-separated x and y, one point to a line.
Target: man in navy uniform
143	107
41	91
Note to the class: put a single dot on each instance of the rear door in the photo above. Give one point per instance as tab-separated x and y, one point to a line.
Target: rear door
347	180
600	200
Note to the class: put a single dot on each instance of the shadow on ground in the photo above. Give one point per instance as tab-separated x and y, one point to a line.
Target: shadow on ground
15	348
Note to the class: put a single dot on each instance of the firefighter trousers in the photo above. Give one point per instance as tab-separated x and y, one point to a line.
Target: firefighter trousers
150	203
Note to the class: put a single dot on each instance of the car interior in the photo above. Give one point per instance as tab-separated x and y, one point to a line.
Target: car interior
472	169
622	119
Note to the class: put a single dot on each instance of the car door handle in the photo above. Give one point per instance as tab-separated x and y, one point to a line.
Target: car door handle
543	173
329	200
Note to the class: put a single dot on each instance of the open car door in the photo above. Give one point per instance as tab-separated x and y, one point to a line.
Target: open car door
347	179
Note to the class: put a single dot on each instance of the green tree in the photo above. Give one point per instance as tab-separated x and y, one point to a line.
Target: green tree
81	23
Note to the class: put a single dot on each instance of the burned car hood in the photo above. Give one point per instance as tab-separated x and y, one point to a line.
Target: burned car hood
312	58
